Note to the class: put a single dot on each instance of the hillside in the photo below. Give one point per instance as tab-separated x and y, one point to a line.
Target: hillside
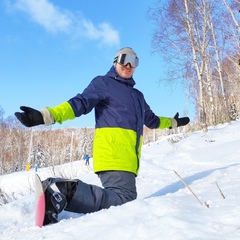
165	207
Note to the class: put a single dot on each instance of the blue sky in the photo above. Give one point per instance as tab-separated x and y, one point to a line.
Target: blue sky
52	49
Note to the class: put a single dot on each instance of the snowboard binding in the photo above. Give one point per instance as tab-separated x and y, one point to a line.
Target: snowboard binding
58	193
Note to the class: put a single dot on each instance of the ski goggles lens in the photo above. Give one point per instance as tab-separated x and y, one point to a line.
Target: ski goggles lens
124	59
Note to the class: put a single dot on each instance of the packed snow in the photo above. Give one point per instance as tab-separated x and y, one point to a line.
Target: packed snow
204	204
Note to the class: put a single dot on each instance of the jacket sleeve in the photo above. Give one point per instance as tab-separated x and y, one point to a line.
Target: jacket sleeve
81	103
165	122
153	121
94	93
61	112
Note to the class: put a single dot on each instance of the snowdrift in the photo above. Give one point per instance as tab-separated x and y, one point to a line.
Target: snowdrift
165	207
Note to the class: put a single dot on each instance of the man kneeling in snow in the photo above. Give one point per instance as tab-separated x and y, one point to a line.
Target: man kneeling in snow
120	114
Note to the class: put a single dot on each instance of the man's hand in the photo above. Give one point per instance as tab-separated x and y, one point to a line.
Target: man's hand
29	117
181	121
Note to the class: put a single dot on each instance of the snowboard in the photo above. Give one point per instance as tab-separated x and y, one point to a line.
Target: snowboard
39	202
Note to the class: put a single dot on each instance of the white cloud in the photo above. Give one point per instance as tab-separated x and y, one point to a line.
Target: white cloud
104	32
55	20
45	14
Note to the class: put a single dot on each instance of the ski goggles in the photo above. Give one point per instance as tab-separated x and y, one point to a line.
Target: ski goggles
124	59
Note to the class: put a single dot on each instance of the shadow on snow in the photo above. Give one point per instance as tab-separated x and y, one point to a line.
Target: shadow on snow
174	187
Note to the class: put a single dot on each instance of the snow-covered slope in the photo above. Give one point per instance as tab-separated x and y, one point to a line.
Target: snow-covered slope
165	207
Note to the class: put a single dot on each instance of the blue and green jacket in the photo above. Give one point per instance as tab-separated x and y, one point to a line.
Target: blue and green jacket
120	114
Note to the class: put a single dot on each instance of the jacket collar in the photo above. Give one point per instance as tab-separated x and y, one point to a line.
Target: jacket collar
113	74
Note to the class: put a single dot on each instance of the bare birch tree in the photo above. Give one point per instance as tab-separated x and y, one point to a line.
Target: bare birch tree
183	28
191	35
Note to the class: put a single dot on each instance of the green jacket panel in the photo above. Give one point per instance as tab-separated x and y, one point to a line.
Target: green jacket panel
165	122
62	112
114	149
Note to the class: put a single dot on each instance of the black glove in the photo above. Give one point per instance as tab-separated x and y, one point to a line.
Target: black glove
30	117
181	121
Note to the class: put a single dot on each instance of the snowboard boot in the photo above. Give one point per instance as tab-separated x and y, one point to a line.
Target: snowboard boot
58	193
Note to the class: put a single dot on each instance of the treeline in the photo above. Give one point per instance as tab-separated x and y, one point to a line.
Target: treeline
44	147
41	146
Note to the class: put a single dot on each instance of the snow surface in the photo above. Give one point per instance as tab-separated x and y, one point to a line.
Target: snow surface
165	207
